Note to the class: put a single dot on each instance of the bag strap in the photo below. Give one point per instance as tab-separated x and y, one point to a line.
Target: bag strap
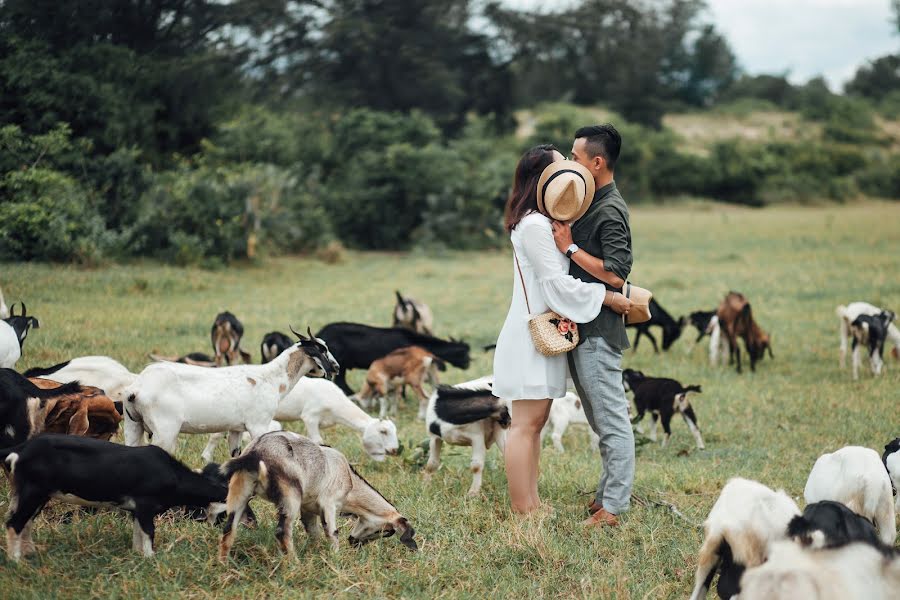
522	279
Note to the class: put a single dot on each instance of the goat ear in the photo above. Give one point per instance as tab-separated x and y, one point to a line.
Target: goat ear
35	323
406	533
399	297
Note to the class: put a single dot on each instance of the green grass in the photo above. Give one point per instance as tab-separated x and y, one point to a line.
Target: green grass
795	265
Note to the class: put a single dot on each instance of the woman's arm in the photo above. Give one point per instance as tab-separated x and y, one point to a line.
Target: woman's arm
562	235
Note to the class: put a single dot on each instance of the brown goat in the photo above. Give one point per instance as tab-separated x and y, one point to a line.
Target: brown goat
90	413
736	321
387	376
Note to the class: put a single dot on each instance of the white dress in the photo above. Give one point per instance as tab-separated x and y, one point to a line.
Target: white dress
520	371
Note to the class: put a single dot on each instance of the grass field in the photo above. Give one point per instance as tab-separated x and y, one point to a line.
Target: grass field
795	265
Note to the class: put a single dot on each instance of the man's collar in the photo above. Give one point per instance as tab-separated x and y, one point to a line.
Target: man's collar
604	191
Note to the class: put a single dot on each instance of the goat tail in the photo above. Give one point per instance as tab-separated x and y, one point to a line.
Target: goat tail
248	463
440	364
73	387
693	388
41	371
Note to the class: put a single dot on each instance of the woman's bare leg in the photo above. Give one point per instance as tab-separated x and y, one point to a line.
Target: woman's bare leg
523	448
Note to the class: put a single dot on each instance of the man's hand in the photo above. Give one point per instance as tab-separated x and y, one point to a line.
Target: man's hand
618	303
562	235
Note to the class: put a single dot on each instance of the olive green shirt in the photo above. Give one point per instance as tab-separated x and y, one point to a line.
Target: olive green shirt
604	232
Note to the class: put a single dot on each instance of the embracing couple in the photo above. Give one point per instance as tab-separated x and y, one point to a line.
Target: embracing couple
572	245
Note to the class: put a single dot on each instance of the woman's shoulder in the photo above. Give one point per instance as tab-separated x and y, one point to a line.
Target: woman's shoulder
534	219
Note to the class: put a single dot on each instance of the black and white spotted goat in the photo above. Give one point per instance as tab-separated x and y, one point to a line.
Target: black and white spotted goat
870	332
13	331
663	398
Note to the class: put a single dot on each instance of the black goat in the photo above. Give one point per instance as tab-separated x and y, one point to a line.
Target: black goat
21	323
829	524
226	334
663	398
700	320
870	331
144	481
23	406
658	316
273	344
356	346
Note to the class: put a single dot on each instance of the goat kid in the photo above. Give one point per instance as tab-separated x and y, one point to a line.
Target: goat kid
411	314
169	398
387	377
671	329
79	470
663	398
566	411
302	478
273	344
745	519
735	319
847	314
13	331
871	332
89	412
226	334
855	477
466	414
700	320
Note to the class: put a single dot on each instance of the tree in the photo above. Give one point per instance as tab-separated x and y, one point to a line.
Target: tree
877	79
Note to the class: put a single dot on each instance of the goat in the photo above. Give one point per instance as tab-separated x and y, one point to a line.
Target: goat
198	359
388	376
13	331
357	346
98	371
829	524
466	414
320	403
23	406
564	412
871	332
226	334
847	314
718	347
891	460
302	478
853	572
4	310
663	398
273	344
170	398
89	412
745	519
855	477
80	470
735	318
700	320
411	314
671	328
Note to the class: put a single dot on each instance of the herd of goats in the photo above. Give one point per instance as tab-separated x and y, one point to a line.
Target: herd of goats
56	423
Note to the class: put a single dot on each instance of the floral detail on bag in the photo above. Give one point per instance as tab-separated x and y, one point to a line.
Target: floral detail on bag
565	327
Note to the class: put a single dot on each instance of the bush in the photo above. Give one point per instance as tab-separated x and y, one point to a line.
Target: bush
881	178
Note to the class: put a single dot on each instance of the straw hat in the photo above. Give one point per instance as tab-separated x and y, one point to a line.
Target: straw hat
565	190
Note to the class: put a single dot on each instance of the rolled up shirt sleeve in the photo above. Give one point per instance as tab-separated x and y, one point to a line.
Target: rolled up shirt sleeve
614	237
572	298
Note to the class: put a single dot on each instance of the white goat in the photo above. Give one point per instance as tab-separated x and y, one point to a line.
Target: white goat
566	411
746	518
320	403
853	572
10	349
171	398
98	371
855	477
847	314
466	414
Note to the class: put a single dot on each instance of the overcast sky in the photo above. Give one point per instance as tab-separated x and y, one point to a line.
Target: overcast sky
802	38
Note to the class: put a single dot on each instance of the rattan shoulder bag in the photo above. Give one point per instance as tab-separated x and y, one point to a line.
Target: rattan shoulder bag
552	333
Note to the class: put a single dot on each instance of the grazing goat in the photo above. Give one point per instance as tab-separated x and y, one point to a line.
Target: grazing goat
13	331
870	332
226	334
891	460
302	478
700	320
853	572
671	328
663	398
847	314
320	403
411	314
735	319
198	359
273	344
23	406
855	477
466	414
564	412
97	371
357	346
79	470
169	398
745	519
388	377
89	412
829	524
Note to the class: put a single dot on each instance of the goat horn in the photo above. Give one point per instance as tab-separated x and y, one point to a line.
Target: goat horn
24	310
309	331
12	309
299	337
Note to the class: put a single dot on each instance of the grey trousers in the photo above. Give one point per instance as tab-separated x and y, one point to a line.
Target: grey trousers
596	369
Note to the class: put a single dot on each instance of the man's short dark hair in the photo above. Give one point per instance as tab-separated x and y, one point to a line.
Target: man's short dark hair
602	140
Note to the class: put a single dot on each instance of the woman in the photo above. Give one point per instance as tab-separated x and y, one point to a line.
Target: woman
524	377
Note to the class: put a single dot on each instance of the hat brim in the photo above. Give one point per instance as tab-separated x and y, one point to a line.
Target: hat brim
567	165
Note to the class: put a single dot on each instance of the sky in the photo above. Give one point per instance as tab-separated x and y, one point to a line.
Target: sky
799	38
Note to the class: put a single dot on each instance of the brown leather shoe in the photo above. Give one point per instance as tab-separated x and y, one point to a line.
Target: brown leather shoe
594	507
601	518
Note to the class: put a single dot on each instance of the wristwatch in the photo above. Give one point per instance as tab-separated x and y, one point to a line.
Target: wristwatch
572	249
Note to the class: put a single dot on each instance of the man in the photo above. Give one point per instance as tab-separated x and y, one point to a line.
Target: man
599	244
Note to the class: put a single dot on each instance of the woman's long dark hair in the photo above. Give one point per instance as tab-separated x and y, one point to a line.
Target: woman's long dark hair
523	198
